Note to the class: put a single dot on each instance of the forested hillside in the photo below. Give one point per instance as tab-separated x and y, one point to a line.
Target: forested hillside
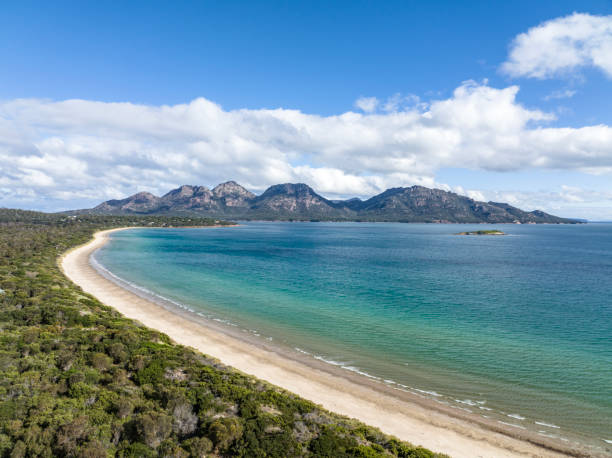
79	380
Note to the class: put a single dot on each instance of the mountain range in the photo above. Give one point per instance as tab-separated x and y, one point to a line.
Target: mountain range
299	201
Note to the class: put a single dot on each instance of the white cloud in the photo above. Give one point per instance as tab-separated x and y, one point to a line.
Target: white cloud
399	102
562	45
564	94
568	201
396	102
476	195
80	152
367	104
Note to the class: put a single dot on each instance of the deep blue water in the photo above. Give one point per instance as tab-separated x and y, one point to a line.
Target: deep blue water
516	327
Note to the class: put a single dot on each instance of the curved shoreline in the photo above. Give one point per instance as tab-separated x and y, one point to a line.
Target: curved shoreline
402	414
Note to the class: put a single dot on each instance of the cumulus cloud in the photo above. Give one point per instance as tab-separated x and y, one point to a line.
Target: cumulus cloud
80	151
561	46
367	104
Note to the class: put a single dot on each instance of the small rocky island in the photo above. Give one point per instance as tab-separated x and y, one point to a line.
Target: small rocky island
489	232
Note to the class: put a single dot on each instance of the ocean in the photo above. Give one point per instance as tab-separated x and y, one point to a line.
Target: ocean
516	328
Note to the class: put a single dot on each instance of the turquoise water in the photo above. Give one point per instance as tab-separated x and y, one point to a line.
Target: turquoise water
517	328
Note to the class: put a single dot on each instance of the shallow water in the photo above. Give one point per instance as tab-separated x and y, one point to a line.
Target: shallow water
517	328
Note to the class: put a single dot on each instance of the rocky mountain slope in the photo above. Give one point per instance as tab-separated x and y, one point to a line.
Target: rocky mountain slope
300	202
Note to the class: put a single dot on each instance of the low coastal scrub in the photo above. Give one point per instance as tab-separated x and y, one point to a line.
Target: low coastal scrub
79	380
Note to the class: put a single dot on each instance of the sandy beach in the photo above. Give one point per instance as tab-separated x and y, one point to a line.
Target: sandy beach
409	417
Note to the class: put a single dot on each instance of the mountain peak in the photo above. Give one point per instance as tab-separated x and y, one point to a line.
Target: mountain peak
144	195
185	191
137	203
231	188
231	194
300	201
291	189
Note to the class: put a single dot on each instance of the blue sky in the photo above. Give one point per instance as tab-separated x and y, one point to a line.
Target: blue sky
317	58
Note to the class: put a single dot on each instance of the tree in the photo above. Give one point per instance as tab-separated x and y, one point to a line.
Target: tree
153	428
225	431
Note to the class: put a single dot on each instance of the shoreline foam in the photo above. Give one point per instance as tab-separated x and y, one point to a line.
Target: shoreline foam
403	414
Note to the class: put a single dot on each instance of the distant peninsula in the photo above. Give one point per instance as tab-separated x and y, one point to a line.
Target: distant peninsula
299	202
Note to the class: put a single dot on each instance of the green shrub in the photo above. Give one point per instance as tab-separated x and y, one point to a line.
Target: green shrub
153	373
101	362
135	450
411	452
198	447
153	428
331	444
77	379
363	451
225	431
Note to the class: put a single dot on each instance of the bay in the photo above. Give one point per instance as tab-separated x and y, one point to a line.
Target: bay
515	327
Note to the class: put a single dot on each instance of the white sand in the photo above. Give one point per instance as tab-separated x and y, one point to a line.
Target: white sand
408	421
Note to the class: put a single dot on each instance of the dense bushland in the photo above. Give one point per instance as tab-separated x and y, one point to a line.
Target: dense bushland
78	379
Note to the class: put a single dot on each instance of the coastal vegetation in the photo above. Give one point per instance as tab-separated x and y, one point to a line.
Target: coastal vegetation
80	380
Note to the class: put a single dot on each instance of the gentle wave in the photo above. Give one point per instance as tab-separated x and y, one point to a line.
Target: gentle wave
366	374
100	268
550	425
329	361
511	424
148	293
302	351
360	372
432	393
469	402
